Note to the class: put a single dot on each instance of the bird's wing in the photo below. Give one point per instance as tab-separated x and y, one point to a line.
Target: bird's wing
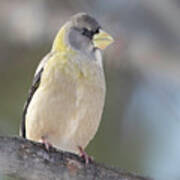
34	87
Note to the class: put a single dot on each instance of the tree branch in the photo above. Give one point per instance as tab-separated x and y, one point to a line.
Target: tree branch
25	159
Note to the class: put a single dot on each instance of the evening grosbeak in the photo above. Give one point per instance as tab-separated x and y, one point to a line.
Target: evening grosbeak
66	100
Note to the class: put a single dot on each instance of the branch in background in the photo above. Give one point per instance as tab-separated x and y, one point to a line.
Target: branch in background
25	159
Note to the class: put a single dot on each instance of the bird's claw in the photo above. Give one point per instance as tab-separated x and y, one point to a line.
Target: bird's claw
84	155
46	143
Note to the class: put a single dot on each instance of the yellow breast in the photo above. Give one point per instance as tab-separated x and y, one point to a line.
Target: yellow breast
68	104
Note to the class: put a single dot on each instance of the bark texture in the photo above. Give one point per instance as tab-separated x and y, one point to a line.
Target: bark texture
27	160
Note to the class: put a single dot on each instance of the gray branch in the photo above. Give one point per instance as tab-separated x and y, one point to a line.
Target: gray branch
24	159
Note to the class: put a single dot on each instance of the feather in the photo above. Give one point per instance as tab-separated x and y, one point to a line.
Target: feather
35	85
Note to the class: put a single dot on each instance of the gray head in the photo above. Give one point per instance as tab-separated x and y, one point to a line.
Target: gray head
83	33
82	28
85	24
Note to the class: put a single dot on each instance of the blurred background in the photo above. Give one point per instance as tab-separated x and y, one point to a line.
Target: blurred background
140	130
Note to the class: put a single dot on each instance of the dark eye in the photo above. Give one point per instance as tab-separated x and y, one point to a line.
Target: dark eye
97	31
87	33
84	31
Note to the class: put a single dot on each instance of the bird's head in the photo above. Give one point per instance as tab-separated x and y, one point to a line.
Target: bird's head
81	33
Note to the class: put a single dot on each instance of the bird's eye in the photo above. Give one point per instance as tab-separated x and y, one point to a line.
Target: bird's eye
97	31
84	31
87	33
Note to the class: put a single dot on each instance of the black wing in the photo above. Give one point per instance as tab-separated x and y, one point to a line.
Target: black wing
35	85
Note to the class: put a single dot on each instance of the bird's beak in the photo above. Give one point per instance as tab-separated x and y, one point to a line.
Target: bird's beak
102	39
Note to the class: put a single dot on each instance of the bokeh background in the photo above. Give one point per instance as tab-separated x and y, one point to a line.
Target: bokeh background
140	130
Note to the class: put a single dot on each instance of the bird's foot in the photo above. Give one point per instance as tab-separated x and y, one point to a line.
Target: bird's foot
84	155
46	143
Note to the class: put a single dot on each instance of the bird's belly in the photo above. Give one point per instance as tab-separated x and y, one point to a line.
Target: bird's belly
68	115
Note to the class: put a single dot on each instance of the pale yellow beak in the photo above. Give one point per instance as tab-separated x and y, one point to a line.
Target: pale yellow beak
102	40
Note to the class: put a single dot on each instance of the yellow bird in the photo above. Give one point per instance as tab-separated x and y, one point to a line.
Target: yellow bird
66	100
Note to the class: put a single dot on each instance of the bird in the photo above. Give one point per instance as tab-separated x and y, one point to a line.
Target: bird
67	97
